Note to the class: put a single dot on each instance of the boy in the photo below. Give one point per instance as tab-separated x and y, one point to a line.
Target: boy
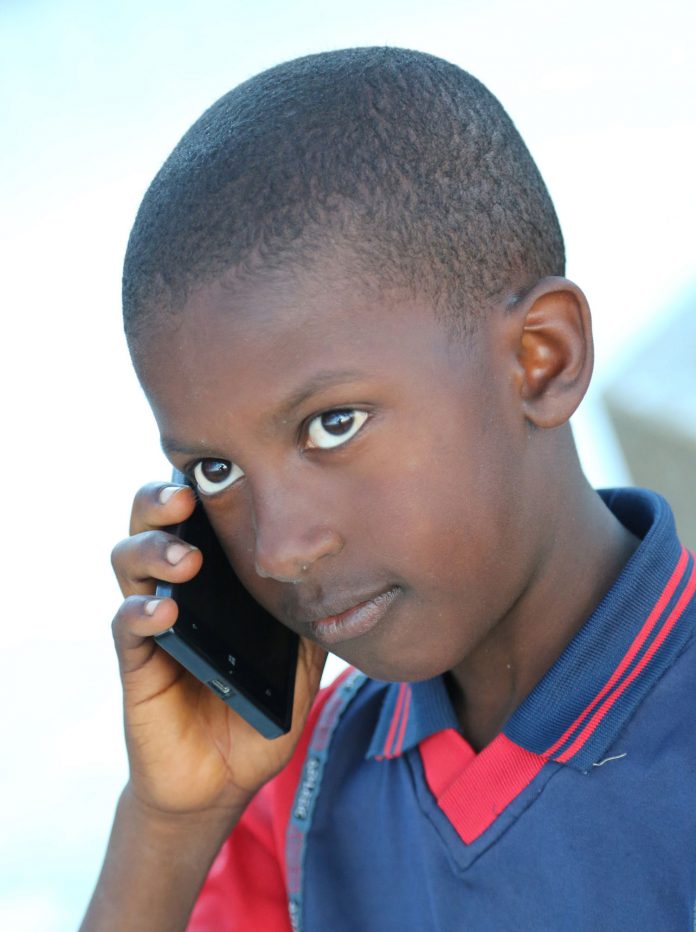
344	298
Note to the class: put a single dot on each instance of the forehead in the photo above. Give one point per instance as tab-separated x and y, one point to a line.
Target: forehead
259	345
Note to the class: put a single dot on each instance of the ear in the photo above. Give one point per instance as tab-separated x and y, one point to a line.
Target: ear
555	351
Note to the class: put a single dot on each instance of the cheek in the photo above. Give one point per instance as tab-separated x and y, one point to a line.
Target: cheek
408	518
451	513
233	527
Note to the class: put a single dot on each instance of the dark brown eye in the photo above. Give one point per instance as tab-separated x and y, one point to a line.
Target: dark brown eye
333	428
337	422
213	476
215	470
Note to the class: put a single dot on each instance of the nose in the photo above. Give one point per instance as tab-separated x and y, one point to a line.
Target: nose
292	534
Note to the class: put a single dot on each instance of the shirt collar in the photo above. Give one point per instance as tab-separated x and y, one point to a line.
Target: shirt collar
410	713
585	698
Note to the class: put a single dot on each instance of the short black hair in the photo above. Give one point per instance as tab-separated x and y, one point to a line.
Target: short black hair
405	158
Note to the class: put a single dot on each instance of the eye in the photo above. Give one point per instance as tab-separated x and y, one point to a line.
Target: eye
212	476
333	428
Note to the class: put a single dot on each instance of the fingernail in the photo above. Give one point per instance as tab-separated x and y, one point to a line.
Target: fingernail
167	492
175	553
151	606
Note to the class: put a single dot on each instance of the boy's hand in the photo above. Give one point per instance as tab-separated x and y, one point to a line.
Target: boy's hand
188	751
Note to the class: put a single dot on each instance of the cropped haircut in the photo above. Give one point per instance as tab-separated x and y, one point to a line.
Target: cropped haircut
402	159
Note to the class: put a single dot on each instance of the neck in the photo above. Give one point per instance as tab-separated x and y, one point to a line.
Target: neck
589	549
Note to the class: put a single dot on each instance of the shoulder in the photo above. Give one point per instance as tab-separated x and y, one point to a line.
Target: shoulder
246	888
666	718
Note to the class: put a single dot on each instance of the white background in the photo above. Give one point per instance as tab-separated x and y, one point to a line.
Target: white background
93	96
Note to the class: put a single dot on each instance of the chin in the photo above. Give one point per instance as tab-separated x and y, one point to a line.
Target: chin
401	667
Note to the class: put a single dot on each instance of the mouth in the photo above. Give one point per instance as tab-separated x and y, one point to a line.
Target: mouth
354	621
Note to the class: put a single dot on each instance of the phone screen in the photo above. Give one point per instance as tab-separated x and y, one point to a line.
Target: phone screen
229	641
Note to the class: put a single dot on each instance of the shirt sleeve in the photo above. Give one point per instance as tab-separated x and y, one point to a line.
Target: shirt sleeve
246	887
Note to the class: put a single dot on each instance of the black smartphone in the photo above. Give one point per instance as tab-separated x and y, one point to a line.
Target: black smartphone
226	639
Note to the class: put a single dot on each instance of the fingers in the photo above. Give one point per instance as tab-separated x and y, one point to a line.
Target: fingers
149	555
141	560
152	553
160	504
135	623
310	666
313	657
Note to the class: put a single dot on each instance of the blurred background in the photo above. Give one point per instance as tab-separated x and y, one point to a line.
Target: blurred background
92	99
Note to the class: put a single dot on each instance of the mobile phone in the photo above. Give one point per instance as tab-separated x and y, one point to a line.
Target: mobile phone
226	639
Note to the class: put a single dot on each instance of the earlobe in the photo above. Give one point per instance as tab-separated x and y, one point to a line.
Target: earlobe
555	351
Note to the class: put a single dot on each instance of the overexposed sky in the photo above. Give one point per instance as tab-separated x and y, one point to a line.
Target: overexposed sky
92	99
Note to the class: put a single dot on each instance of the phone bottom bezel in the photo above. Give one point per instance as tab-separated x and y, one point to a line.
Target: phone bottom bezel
199	665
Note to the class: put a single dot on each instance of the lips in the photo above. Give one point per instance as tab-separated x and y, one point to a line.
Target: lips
355	620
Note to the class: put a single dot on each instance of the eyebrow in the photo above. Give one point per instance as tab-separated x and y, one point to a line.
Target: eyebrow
319	381
172	445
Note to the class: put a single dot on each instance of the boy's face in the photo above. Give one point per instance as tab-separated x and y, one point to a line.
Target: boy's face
375	461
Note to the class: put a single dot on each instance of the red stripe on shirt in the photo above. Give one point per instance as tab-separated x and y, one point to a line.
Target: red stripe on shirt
670	622
402	728
630	654
386	750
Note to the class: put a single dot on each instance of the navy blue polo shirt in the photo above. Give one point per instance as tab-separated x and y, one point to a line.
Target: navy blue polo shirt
580	815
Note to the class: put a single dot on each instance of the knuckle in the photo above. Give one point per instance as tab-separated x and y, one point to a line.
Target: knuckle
131	550
118	622
117	554
145	502
129	609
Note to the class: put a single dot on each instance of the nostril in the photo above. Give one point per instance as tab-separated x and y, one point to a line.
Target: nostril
286	574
